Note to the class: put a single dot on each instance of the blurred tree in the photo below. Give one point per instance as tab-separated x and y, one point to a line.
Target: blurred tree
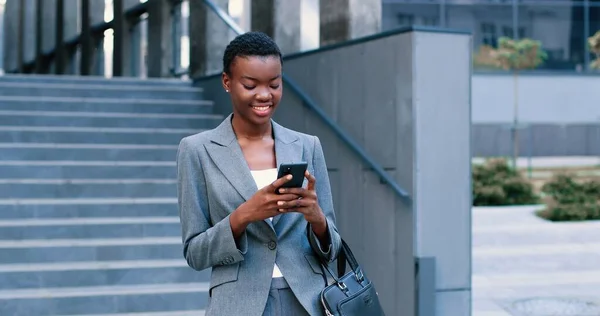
594	43
514	56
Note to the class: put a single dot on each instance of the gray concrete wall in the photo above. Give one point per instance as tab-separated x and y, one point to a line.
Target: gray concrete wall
561	113
543	98
537	140
405	128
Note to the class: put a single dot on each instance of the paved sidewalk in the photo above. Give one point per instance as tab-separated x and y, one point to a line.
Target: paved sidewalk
521	262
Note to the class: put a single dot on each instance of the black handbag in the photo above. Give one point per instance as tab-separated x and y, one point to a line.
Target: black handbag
351	294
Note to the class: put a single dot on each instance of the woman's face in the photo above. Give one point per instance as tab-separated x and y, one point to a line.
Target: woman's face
255	86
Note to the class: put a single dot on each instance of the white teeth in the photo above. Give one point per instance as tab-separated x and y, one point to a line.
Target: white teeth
261	108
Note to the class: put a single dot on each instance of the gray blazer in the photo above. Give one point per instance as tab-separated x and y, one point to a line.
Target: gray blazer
213	180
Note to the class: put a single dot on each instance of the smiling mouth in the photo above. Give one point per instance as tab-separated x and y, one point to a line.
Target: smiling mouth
261	108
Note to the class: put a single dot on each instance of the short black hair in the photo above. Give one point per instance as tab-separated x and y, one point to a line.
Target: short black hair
250	44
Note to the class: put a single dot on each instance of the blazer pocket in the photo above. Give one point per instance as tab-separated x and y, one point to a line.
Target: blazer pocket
223	274
314	263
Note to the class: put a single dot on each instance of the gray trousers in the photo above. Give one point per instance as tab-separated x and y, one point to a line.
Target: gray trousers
282	301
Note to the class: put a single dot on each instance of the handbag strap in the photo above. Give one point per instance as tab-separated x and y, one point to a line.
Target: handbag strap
345	255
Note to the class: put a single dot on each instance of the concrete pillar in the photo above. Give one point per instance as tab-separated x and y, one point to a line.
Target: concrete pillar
48	33
86	40
12	38
160	39
341	20
2	47
39	31
96	11
92	12
48	25
29	33
72	21
60	58
97	16
72	28
209	36
132	3
436	143
280	19
122	46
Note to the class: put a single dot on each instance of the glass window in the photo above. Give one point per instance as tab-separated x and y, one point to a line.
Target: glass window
559	26
487	21
399	14
594	22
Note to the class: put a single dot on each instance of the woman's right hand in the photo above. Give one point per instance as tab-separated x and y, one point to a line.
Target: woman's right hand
262	205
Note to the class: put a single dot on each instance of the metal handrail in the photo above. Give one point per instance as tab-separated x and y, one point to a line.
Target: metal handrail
311	104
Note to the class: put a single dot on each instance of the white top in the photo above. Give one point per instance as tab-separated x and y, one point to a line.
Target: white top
262	179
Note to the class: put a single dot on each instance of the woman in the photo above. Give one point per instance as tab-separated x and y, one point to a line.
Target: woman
234	218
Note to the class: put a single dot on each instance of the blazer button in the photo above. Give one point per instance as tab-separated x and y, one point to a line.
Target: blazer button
272	245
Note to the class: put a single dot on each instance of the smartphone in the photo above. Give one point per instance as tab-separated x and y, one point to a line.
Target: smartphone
297	171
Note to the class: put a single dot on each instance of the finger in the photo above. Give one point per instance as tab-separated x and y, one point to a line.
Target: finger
287	197
279	182
311	181
288	205
302	192
302	210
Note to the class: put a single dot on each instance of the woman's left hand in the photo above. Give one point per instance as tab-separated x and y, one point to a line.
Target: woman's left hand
307	204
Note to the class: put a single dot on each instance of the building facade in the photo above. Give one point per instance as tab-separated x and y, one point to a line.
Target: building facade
562	26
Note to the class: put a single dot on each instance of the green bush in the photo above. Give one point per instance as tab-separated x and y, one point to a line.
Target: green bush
496	183
569	200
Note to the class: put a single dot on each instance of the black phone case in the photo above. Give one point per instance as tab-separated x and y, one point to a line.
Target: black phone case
297	170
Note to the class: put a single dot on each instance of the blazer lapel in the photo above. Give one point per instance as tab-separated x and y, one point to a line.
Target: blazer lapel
227	154
230	160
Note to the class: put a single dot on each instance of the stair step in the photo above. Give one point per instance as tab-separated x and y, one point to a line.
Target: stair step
92	249
200	312
87	151
104	299
92	90
71	104
97	227
148	132
102	208
69	134
89	222
85	146
81	291
67	170
108	119
98	273
137	188
92	265
84	201
70	79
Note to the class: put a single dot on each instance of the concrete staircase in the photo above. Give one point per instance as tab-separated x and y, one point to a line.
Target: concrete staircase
88	214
